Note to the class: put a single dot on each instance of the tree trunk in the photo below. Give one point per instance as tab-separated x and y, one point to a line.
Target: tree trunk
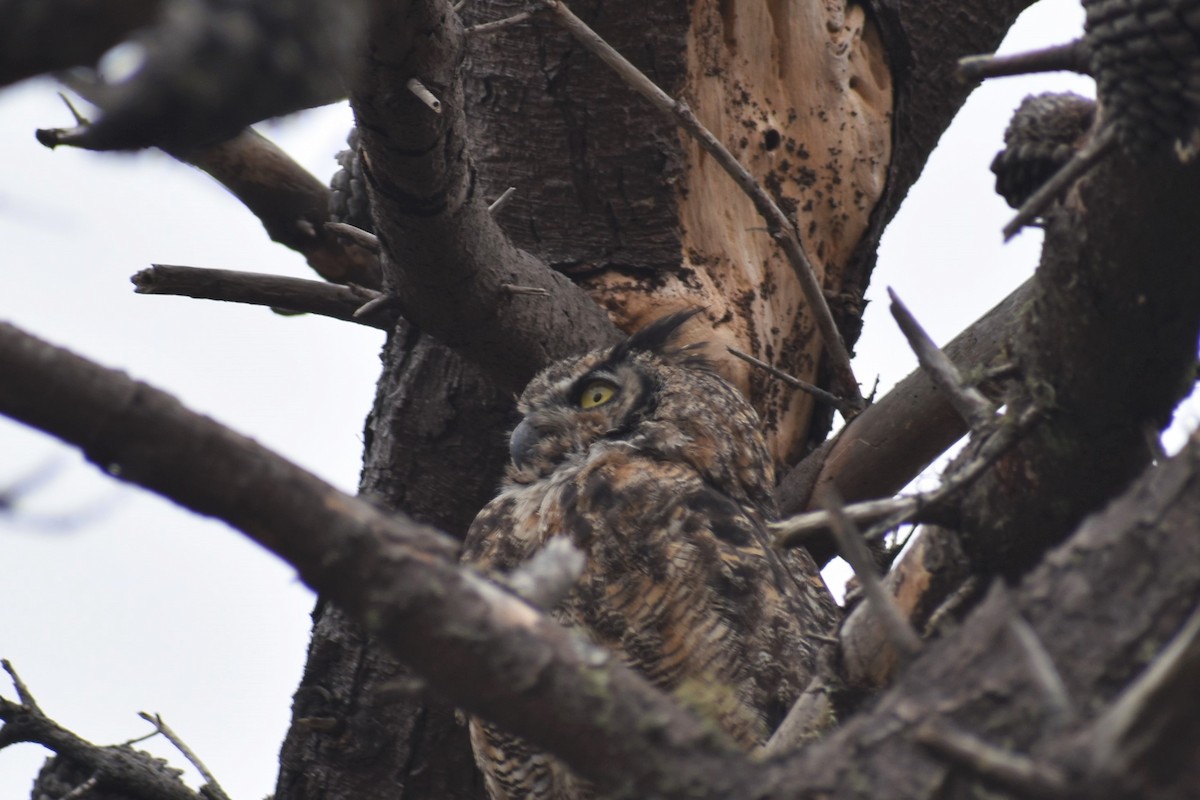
610	193
361	726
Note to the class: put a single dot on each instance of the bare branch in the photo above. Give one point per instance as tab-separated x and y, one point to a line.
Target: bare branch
136	773
1149	711
1072	57
445	255
213	787
484	28
796	530
23	693
888	445
843	405
291	203
292	294
479	646
1016	772
1041	666
854	550
969	402
424	95
364	239
811	715
887	515
57	34
782	229
512	288
1104	142
82	789
500	202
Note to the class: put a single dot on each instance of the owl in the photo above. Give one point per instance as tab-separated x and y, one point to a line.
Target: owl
655	468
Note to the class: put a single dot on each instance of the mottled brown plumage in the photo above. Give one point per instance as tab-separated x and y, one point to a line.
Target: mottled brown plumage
655	467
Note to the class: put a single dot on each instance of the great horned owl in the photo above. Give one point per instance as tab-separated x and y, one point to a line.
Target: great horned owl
655	468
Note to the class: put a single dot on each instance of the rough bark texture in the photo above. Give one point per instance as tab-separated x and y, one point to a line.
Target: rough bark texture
1108	348
800	93
1103	606
610	195
1098	614
600	179
434	443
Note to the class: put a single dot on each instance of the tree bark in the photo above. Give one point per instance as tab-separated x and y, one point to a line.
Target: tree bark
434	447
602	184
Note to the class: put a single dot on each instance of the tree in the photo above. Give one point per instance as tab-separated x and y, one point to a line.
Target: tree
620	196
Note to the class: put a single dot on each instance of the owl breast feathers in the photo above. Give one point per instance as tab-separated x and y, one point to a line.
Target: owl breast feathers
655	468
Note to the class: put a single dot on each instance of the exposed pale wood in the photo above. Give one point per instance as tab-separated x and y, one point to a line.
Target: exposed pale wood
775	114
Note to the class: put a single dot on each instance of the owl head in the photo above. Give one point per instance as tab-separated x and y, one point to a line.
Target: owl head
648	393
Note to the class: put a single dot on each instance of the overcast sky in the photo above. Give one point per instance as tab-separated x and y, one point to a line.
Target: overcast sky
113	601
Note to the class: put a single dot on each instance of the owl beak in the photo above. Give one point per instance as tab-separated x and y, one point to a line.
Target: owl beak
521	442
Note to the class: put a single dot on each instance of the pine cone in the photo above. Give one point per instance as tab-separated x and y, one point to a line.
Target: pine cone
1045	131
1145	56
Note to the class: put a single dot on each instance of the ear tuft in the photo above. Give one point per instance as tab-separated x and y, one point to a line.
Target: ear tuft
655	337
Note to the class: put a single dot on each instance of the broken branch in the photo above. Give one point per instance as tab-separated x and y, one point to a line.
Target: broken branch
975	409
854	550
293	294
780	227
475	643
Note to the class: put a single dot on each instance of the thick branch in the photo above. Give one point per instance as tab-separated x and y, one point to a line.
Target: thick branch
781	228
291	204
1107	345
134	774
1104	605
485	649
446	257
56	34
889	444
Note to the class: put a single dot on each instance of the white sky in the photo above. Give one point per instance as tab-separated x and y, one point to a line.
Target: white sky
141	606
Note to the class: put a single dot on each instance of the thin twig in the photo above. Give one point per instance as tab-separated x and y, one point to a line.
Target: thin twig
23	693
424	95
794	530
781	229
484	28
376	303
892	513
512	288
996	445
809	716
1071	57
213	786
1152	708
840	403
80	119
1041	666
1081	163
82	789
500	202
1014	771
364	239
951	605
854	549
970	404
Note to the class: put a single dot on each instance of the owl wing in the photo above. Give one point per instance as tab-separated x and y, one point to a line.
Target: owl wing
682	584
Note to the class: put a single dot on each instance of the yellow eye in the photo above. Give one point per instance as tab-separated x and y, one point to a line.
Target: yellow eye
596	393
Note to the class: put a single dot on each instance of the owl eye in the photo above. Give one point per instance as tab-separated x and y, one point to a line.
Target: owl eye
596	393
